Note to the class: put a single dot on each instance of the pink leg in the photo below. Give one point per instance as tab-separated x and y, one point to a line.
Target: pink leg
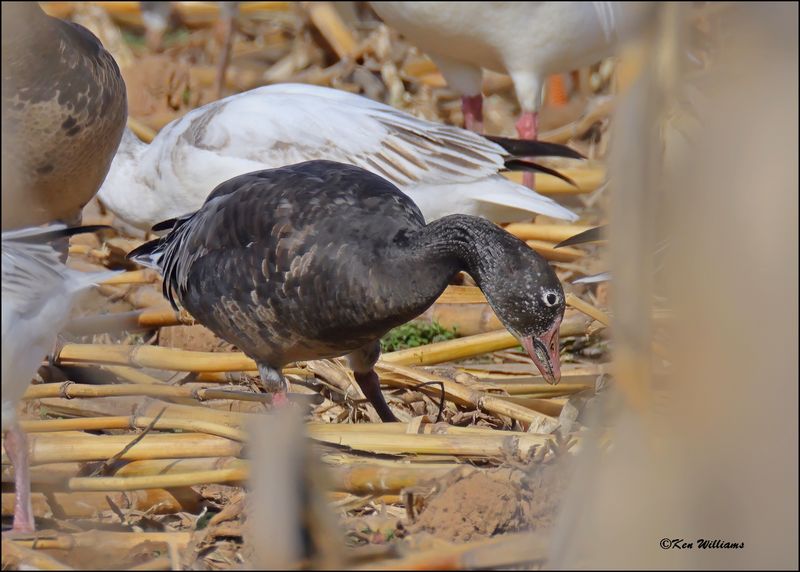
528	128
16	445
280	400
472	107
274	383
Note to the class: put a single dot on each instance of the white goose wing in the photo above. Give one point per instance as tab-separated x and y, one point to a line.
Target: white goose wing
284	124
30	270
38	291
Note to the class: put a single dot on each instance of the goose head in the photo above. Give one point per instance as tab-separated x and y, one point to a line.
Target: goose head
527	297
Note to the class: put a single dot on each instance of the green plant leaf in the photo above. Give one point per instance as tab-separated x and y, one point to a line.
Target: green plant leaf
415	334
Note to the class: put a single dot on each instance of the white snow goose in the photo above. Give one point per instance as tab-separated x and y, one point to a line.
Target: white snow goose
526	40
444	169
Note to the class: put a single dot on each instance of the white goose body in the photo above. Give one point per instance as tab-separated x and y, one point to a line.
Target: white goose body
445	170
527	40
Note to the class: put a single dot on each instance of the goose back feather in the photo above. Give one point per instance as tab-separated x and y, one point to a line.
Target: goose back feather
63	108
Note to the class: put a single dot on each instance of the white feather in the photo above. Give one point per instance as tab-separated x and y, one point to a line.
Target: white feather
449	170
594	278
38	294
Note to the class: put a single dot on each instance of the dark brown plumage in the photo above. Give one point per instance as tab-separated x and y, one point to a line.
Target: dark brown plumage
320	259
63	109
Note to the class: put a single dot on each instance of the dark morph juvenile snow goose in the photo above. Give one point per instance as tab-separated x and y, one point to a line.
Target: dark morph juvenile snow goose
64	109
444	169
38	294
320	259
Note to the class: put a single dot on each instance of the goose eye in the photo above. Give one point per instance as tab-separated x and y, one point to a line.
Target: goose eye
550	299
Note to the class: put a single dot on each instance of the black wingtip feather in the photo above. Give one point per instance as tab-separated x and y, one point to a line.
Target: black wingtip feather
52	235
144	250
532	148
520	165
172	223
591	235
164	225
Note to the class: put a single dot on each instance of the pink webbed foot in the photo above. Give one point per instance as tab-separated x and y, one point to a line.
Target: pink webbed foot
274	383
16	445
528	128
472	108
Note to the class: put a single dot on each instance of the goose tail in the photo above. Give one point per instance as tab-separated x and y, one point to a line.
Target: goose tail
148	254
517	198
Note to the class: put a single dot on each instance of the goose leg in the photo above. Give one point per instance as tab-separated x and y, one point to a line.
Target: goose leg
464	78
16	445
370	384
557	90
362	362
228	11
528	125
528	128
472	108
528	87
274	383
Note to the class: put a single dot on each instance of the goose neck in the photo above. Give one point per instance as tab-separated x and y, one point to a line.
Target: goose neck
470	243
127	189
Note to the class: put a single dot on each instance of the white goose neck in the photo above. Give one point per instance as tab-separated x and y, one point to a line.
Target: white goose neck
125	190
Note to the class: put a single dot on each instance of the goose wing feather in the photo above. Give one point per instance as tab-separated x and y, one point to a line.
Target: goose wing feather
38	294
257	262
